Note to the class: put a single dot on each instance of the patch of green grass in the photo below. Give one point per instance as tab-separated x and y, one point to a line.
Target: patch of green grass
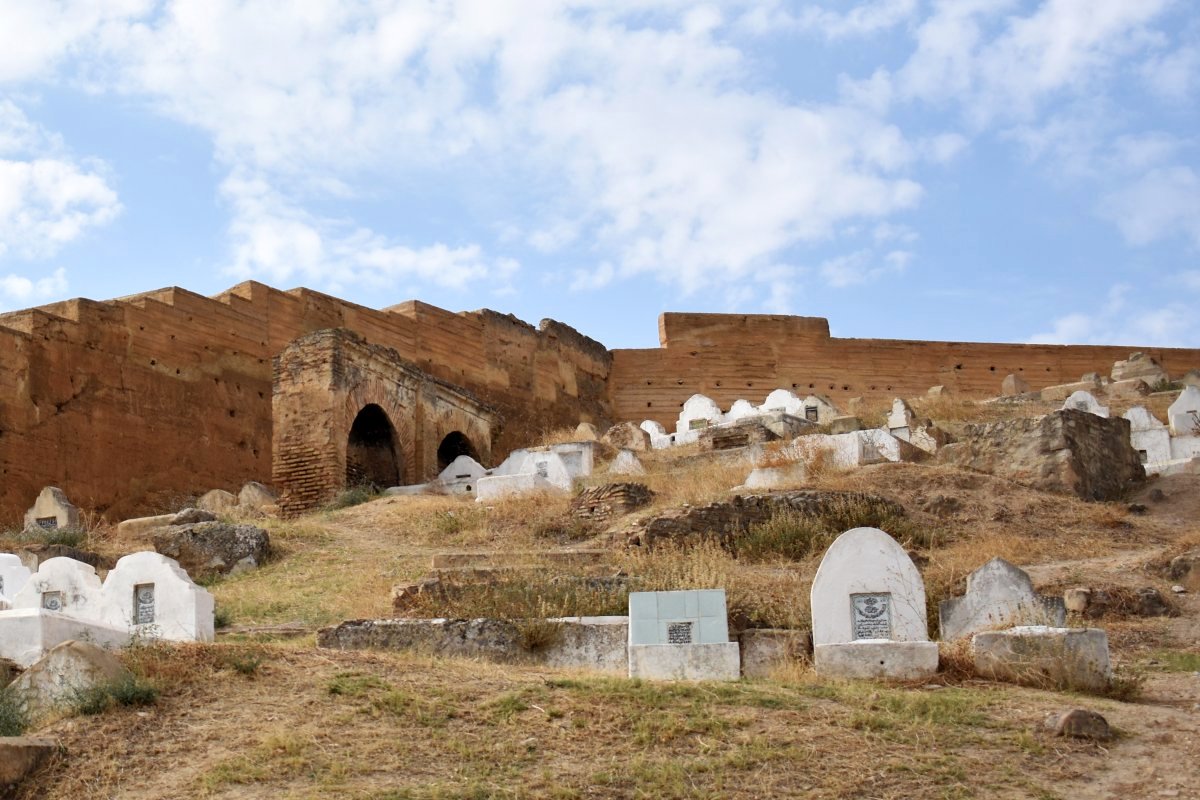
354	496
355	684
1178	661
130	690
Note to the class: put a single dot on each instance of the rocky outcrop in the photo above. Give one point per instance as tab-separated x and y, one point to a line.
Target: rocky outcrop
214	548
1072	452
627	436
729	519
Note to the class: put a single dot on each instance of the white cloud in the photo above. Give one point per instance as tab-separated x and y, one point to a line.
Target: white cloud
271	237
1174	76
36	35
591	279
1125	319
47	199
864	19
18	290
635	119
1164	202
862	267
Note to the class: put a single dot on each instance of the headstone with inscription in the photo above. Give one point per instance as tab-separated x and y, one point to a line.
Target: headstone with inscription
698	412
868	611
52	511
681	635
63	585
154	595
999	595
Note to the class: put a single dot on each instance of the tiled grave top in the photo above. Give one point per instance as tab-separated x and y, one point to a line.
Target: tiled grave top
684	617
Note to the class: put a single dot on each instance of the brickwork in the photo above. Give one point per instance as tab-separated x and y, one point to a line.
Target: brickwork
132	404
324	382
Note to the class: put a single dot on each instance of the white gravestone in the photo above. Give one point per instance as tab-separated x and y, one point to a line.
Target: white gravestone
1148	436
578	457
52	510
819	409
868	611
699	412
155	597
681	635
1184	414
901	420
741	409
659	438
1085	401
13	576
626	463
65	586
999	595
460	475
785	401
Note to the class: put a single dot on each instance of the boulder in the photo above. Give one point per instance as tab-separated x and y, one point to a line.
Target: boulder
1013	385
1186	570
1081	724
68	668
255	498
1068	451
140	526
1139	366
627	436
213	548
1063	658
1129	390
218	501
19	756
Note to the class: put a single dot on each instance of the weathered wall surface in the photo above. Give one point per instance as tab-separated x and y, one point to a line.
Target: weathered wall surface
129	403
732	356
323	380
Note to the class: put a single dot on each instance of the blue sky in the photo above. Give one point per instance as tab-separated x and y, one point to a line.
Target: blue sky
976	170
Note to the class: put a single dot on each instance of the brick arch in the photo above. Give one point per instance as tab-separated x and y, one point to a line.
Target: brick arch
373	391
323	380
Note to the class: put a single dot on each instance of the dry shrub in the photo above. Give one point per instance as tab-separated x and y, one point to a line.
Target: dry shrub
794	536
556	436
763	598
955	660
524	595
776	454
696	483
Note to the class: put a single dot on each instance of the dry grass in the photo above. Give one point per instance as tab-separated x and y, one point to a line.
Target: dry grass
363	725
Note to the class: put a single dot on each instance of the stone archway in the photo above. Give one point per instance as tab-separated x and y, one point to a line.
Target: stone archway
453	445
373	457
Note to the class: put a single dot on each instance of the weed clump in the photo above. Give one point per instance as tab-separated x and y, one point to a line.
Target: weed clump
131	690
14	716
354	496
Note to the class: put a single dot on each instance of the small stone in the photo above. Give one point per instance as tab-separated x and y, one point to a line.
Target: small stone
1150	603
1077	599
1177	589
1082	724
1137	508
1156	496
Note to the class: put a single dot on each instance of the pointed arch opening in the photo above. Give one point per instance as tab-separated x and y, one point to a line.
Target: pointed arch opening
372	452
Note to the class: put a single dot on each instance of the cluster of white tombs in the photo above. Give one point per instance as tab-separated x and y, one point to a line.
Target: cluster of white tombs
145	596
869	621
558	466
1162	448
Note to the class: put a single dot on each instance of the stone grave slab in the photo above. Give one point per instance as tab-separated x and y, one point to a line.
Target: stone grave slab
681	635
999	595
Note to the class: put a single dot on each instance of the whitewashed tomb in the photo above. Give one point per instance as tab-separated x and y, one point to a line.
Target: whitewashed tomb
681	635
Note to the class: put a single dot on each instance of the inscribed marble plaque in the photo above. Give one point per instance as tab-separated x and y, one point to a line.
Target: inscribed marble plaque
872	615
143	604
52	601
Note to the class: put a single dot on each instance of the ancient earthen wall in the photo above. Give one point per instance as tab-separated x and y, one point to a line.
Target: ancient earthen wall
732	356
129	404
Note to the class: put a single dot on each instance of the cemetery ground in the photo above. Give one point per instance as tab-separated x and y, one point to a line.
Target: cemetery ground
264	713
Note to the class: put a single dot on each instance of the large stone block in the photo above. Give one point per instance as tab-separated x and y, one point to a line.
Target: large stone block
627	436
19	756
208	548
718	661
1068	451
877	659
1065	658
67	669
